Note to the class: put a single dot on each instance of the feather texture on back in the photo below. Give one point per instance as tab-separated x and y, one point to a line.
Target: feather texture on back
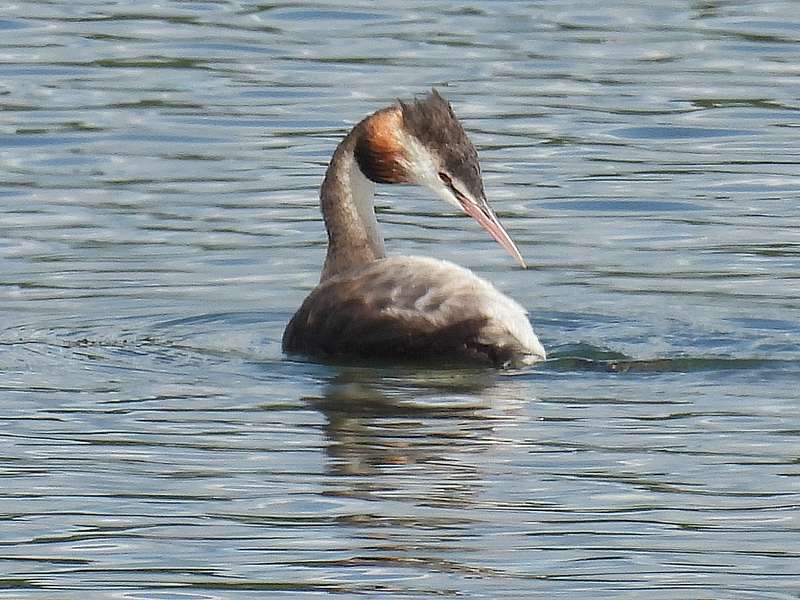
415	308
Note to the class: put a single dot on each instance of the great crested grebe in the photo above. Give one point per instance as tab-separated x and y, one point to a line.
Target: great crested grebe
406	307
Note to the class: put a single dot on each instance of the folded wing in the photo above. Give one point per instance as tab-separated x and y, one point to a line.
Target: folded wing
417	308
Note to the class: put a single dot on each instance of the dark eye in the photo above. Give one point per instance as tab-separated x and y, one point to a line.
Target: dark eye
445	179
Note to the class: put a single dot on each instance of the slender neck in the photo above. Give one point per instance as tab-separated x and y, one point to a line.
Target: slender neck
346	199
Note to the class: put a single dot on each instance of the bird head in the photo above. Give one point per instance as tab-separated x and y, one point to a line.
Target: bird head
422	142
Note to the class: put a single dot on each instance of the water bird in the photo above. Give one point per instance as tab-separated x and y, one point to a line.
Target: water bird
414	308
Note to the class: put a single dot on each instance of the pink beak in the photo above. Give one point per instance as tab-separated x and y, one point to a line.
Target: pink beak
484	215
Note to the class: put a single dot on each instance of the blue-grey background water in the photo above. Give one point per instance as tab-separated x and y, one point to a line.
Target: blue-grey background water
158	225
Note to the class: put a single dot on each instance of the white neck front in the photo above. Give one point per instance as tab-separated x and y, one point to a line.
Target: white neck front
346	200
362	192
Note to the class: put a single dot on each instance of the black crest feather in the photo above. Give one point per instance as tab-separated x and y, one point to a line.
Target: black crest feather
432	121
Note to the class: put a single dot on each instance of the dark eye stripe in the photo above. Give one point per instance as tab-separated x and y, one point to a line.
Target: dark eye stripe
448	181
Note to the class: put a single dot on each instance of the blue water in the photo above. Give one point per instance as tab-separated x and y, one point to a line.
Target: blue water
159	225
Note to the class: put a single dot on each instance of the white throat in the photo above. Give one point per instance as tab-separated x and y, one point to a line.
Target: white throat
362	191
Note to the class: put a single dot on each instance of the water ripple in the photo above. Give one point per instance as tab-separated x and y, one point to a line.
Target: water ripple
160	166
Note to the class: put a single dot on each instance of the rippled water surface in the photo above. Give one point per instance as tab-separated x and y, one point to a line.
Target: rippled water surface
158	226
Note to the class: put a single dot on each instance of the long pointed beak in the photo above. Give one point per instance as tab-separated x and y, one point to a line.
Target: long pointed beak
484	215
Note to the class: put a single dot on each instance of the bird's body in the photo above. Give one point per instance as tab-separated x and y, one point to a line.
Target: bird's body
415	308
405	307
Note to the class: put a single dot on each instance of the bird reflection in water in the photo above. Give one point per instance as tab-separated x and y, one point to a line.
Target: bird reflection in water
415	434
